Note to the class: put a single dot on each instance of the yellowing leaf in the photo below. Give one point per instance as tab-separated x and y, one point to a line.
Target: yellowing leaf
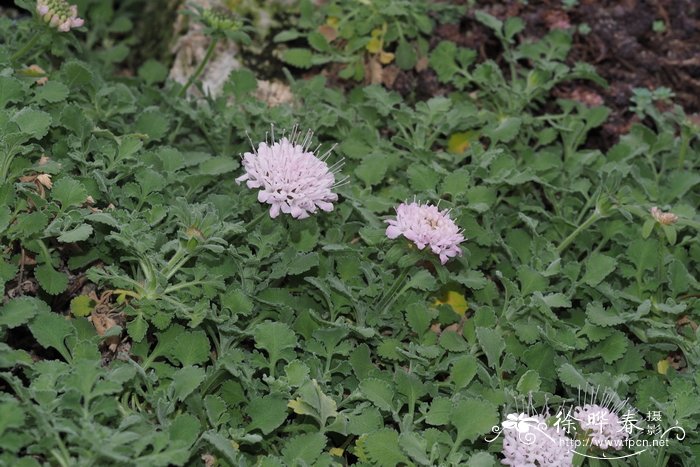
332	21
386	57
456	301
662	366
374	45
460	142
337	452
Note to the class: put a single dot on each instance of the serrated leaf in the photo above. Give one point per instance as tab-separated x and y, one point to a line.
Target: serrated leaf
612	348
603	317
492	343
267	413
439	412
20	310
529	382
378	391
277	339
571	376
68	192
78	234
52	281
50	330
53	91
82	305
185	381
137	328
192	348
33	122
382	447
306	448
313	402
463	371
598	267
10	90
473	418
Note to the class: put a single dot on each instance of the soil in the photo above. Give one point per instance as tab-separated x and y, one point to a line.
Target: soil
622	44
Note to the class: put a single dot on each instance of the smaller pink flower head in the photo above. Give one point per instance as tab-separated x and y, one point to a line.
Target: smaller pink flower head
425	225
290	178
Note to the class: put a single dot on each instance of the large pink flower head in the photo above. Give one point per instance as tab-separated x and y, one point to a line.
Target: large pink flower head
426	225
291	178
59	14
532	443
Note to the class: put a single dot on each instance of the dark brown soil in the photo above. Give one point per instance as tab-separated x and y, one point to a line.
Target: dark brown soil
622	45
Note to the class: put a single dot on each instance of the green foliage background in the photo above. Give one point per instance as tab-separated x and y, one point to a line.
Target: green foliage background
283	342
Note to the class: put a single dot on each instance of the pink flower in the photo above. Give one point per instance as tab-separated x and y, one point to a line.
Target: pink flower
425	225
603	426
535	444
59	14
291	178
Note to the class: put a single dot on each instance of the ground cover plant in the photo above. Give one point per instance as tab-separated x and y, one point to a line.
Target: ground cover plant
464	273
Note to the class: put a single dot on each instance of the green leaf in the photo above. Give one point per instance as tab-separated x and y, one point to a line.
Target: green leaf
382	448
492	343
571	376
529	382
506	130
153	123
152	71
297	372
69	192
267	413
612	348
300	58
5	216
52	281
53	91
489	21
450	340
50	330
378	391
78	234
277	339
415	446
33	122
601	316
372	169
439	412
20	310
406	57
137	328
598	267
473	418
531	280
463	371
185	381
192	348
82	305
10	90
313	402
306	448
218	165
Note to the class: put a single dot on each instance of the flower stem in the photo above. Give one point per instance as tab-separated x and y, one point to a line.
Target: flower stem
390	296
200	68
27	46
587	223
255	221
